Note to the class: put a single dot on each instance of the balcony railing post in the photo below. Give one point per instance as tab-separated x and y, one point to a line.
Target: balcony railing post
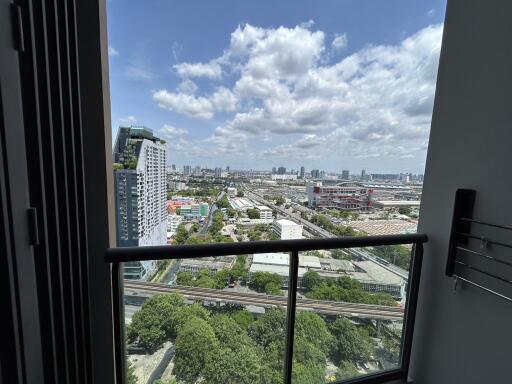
118	313
290	315
412	300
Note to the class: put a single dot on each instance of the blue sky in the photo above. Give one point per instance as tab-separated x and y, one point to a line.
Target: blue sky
325	84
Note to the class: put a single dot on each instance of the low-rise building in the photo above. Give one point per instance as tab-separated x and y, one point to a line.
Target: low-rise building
173	221
194	211
373	277
287	229
265	212
242	203
212	264
246	222
345	195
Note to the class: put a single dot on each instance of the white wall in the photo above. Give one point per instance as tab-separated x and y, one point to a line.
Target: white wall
467	337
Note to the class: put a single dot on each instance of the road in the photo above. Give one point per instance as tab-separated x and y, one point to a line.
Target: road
204	230
140	289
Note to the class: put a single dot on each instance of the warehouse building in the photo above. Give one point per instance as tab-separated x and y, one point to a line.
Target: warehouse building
212	264
372	277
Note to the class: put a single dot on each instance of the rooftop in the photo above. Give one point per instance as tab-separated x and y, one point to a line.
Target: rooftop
286	222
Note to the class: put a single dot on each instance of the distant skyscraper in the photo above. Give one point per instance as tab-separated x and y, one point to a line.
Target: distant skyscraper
187	170
140	194
345	175
218	172
281	171
302	172
173	167
315	173
227	168
363	174
274	170
197	170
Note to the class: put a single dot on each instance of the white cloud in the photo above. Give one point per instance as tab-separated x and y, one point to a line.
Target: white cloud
186	104
138	73
224	100
431	12
340	42
211	70
187	86
374	103
112	51
128	120
196	106
171	132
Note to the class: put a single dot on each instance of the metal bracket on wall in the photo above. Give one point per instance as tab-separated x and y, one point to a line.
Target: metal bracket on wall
461	250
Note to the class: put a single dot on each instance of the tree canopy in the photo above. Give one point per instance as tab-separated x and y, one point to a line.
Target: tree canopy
156	320
350	344
266	282
232	346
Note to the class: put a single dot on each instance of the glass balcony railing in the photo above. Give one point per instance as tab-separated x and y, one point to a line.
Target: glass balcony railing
292	311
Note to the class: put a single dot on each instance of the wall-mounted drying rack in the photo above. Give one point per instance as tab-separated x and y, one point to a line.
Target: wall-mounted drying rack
470	265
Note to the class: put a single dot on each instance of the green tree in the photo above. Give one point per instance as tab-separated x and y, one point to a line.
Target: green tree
222	278
404	210
269	328
131	378
240	194
279	200
195	345
306	352
312	328
181	234
155	321
231	212
308	374
223	203
183	314
228	332
349	343
243	318
205	281
185	278
273	236
346	370
253	213
272	288
311	279
260	280
233	367
168	381
395	254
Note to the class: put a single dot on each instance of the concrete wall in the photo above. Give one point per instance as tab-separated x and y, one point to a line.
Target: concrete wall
467	337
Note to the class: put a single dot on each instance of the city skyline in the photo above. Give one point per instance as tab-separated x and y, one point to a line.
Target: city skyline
295	87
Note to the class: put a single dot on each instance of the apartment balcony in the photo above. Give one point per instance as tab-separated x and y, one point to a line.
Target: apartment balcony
393	324
61	289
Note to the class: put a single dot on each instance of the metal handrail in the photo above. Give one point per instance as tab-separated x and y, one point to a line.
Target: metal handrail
116	256
166	252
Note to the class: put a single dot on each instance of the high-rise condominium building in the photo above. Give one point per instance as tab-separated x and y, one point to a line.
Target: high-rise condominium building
140	191
187	170
345	174
281	170
302	172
